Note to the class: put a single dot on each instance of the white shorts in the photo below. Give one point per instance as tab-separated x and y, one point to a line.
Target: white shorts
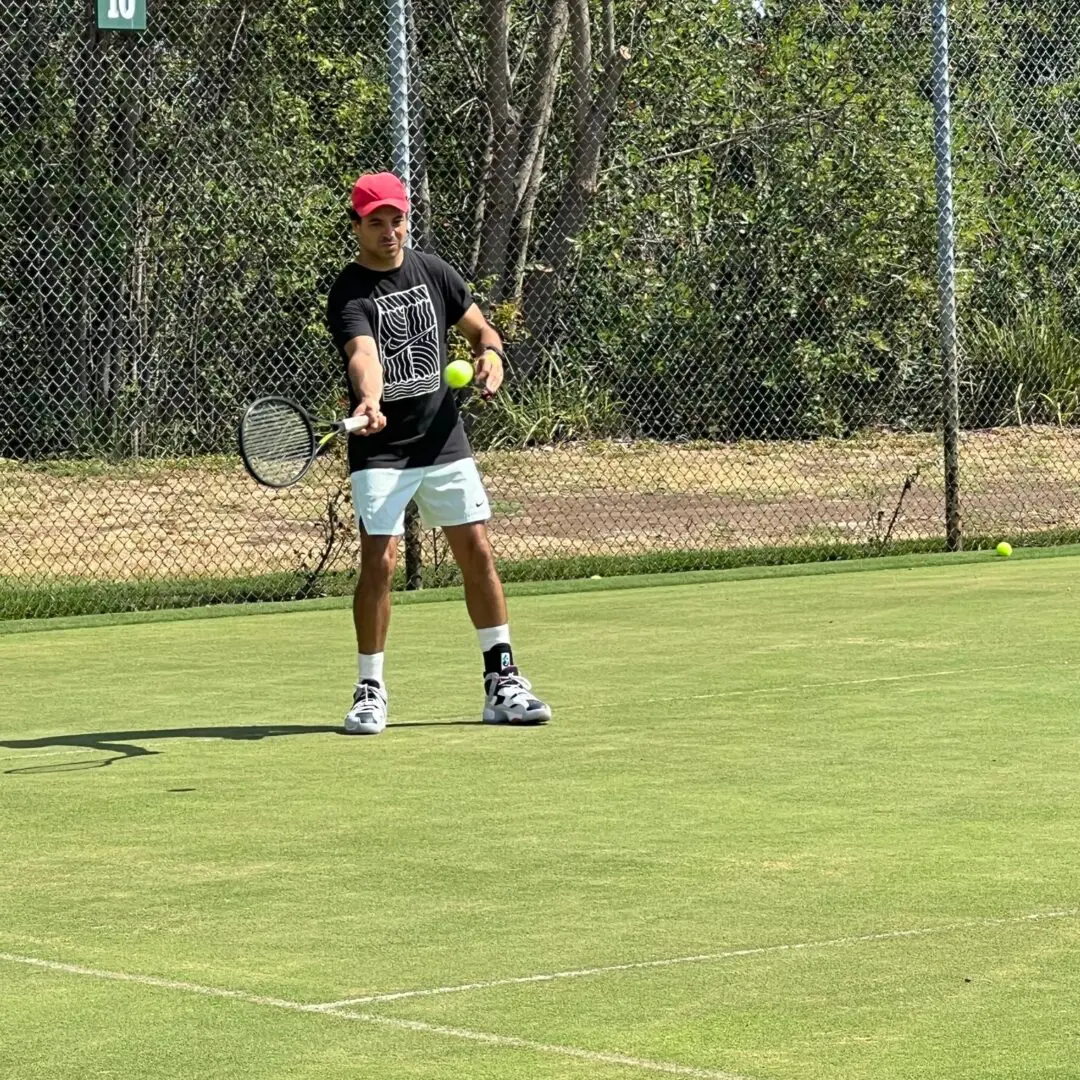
451	494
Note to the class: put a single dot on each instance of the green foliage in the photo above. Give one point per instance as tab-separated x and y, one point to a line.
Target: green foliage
769	215
560	403
28	599
1027	372
192	272
759	259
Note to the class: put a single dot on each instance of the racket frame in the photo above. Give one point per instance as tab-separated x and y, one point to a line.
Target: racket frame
321	432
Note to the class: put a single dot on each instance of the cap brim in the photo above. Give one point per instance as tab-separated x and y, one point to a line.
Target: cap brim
371	207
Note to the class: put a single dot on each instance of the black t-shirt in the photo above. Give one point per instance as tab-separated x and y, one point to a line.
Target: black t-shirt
408	311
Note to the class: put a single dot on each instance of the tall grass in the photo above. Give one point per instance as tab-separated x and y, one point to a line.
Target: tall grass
561	402
1026	372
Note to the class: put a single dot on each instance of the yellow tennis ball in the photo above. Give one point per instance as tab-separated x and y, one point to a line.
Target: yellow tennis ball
1004	548
459	373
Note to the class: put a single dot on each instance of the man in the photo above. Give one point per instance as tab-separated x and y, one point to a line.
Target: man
389	313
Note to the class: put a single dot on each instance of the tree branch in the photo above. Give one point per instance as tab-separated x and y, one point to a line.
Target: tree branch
523	52
577	193
497	68
504	134
609	28
594	129
526	215
538	112
464	53
610	81
481	205
581	63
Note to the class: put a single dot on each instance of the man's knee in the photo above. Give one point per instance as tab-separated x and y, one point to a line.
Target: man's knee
473	551
378	560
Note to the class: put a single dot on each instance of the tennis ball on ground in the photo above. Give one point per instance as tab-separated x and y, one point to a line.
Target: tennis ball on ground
459	373
1004	548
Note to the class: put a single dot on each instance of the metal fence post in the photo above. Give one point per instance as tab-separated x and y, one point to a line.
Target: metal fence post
946	237
398	53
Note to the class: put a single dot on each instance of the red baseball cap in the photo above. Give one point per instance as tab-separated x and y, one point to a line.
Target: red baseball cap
373	190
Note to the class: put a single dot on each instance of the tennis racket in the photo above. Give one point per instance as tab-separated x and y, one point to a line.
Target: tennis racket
279	441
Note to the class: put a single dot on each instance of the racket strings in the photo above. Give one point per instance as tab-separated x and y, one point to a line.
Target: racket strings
278	442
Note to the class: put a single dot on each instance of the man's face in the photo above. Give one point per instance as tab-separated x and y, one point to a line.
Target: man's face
382	232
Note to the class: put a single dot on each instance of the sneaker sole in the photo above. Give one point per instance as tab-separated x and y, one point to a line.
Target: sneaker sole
526	722
364	729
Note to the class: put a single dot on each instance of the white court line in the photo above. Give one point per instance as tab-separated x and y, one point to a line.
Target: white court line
800	687
28	753
754	691
748	691
702	958
509	1041
489	1038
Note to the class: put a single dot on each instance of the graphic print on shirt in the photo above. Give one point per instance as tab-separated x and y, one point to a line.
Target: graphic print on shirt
408	339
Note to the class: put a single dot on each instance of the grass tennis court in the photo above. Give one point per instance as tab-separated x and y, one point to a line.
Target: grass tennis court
785	827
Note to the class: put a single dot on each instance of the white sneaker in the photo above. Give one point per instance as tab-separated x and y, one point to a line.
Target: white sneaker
510	699
368	713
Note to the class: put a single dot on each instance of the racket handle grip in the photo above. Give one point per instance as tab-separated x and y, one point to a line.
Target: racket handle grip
354	423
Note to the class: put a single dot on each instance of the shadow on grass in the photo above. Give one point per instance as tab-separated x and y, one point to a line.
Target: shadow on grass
122	744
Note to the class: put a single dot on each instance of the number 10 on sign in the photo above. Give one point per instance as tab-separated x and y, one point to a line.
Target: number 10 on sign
121	14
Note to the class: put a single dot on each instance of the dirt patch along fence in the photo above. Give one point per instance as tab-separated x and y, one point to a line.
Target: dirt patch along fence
204	520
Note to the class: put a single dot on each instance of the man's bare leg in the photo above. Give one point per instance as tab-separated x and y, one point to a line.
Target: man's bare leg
508	694
371	600
371	618
472	552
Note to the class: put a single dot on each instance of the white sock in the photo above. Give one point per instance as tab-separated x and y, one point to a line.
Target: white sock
371	666
492	636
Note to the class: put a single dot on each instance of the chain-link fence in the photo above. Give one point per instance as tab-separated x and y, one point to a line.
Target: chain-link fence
708	230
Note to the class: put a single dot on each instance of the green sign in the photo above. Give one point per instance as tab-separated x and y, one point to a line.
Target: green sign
121	14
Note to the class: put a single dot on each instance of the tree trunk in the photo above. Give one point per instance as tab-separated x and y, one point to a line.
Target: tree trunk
580	188
505	127
530	165
593	120
37	324
83	236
